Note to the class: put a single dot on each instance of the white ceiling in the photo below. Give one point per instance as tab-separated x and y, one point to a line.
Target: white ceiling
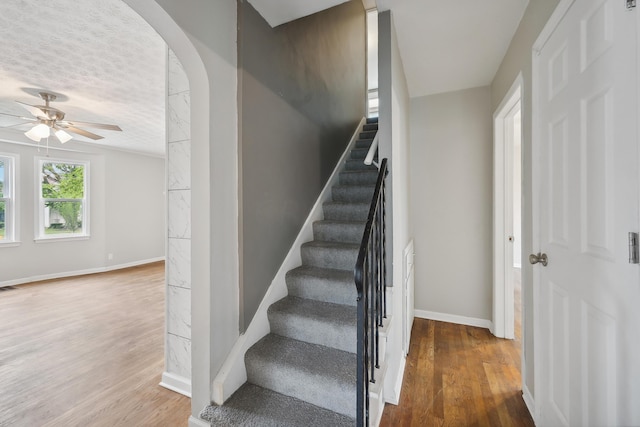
445	45
277	12
104	57
452	45
110	63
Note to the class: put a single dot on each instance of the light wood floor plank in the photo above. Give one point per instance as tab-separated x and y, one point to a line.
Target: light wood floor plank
87	351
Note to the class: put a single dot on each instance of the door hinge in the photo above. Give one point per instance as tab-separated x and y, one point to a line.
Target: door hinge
631	4
633	248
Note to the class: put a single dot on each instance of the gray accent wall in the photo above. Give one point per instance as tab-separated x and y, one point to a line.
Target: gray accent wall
302	91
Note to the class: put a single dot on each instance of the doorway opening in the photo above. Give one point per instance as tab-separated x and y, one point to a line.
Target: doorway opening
507	241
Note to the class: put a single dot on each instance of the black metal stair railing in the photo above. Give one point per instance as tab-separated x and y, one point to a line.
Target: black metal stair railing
370	274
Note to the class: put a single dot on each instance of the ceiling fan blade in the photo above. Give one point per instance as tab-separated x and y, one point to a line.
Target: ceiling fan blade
90	125
30	123
82	132
31	119
35	111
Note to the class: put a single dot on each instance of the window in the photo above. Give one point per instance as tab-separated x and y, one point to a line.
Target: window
7	199
63	209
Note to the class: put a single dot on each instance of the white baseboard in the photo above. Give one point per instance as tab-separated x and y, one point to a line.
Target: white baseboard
64	274
233	372
176	383
453	318
529	402
197	422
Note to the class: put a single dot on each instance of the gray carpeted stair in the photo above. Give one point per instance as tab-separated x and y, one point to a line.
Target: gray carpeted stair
303	373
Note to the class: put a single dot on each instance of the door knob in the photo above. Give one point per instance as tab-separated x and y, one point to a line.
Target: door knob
538	258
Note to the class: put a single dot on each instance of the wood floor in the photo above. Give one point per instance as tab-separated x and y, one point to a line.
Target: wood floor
87	351
460	376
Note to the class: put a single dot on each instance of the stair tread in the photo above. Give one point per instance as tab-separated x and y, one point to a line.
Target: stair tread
252	405
314	360
324	273
316	310
331	245
339	222
322	284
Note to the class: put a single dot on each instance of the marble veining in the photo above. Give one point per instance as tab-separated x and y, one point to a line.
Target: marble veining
179	262
178	157
179	214
179	356
179	311
178	81
178	112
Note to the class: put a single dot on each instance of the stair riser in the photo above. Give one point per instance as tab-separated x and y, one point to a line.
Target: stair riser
358	153
290	382
314	331
367	135
363	143
336	258
354	194
370	127
315	288
347	233
358	164
360	178
350	212
372	120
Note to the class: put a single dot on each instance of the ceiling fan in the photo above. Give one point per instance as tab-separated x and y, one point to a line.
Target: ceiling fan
47	119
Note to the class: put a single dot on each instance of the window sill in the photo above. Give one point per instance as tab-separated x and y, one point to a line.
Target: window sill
10	244
61	239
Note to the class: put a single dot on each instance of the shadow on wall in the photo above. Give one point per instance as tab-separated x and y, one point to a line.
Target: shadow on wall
302	92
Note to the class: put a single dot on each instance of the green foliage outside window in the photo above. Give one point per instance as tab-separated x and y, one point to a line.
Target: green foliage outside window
64	181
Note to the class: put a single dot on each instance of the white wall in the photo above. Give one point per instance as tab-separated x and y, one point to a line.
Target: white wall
518	60
394	144
451	203
126	202
203	37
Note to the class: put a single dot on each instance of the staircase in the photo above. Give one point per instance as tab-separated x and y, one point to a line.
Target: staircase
303	373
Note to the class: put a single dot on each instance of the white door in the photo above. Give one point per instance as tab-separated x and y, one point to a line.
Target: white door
585	202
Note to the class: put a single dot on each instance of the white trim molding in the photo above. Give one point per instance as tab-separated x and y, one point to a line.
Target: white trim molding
503	165
197	422
454	318
176	383
529	401
64	274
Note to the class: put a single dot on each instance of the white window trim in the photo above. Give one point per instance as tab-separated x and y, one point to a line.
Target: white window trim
12	207
39	202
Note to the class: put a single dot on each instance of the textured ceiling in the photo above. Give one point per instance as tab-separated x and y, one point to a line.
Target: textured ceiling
452	45
107	61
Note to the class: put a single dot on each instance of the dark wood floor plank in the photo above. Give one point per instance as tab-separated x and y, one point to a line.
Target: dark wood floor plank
460	376
87	350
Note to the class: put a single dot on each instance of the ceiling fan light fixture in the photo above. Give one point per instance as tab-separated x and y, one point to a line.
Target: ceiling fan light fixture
38	132
63	136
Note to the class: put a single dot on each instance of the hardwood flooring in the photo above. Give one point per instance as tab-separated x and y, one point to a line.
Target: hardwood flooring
87	351
460	376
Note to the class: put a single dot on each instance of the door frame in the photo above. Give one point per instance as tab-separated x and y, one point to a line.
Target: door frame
503	298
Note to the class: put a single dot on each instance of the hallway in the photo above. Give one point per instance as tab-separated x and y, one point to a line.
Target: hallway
461	376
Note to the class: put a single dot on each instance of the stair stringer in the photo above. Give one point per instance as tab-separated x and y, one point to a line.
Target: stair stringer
233	373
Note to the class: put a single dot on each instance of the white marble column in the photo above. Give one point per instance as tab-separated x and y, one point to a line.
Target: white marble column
177	374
